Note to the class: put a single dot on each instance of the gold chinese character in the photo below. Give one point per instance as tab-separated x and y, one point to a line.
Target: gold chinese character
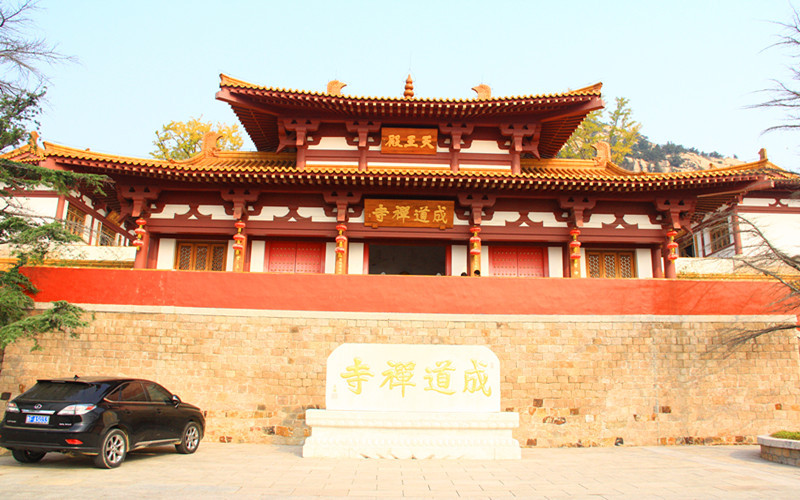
426	142
399	374
440	214
475	380
411	142
421	214
356	375
401	213
393	141
380	212
442	379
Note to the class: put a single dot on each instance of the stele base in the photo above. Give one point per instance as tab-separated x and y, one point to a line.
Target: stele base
403	435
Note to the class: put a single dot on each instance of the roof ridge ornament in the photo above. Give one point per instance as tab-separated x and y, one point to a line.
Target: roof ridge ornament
335	87
409	91
762	154
484	91
209	147
603	150
33	142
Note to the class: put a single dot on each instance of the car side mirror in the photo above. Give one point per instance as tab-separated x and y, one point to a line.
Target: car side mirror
176	400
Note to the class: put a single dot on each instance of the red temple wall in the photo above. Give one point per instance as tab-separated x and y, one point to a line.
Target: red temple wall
404	294
582	361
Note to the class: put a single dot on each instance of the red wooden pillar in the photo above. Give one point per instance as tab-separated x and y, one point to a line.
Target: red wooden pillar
62	201
737	233
656	256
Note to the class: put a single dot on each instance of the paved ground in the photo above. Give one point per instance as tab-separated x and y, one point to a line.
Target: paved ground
263	471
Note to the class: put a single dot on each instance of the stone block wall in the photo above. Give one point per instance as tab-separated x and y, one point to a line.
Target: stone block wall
576	380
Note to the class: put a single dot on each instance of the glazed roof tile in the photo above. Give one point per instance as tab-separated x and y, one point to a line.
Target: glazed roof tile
228	81
263	167
262	110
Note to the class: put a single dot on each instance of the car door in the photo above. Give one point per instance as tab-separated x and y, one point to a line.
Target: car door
135	412
168	422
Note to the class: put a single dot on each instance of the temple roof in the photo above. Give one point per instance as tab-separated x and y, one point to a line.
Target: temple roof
272	168
259	109
227	81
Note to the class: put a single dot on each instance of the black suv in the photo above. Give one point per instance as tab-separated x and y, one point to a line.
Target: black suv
100	416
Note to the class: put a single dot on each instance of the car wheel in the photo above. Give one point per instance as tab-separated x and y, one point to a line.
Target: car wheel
113	450
190	439
28	456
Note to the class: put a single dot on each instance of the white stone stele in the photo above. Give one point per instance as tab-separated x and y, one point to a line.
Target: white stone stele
412	401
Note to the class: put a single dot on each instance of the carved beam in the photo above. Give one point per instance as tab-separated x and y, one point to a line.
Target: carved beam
135	198
294	132
577	206
342	200
676	212
457	132
239	197
524	138
362	138
476	202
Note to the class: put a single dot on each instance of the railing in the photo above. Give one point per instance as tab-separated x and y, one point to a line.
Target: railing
96	237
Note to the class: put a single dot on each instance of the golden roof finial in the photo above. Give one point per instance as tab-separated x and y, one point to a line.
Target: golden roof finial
762	154
409	92
335	87
484	91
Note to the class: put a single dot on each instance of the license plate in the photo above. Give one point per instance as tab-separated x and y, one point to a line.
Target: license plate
37	419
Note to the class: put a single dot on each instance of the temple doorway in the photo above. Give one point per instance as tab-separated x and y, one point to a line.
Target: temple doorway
422	260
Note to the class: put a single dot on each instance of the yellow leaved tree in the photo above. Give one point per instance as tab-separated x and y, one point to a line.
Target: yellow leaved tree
182	140
620	131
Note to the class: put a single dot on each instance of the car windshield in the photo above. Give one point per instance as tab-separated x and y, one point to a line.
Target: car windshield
66	391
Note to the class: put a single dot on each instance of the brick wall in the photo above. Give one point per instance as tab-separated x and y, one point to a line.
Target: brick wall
575	380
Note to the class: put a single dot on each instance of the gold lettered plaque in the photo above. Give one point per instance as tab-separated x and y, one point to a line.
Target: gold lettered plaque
409	141
408	213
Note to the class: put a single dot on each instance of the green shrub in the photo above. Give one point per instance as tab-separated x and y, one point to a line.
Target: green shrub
787	435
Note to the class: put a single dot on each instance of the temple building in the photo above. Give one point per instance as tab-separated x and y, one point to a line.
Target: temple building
352	223
408	185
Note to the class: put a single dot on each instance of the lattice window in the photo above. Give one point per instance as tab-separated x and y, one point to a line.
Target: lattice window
720	236
295	257
75	220
516	261
610	264
107	236
593	265
201	256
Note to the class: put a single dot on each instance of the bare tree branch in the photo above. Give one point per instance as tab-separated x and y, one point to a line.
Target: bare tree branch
21	55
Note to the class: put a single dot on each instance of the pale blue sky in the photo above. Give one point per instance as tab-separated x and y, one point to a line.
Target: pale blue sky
689	68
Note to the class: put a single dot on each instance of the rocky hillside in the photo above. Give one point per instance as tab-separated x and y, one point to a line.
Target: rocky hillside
669	157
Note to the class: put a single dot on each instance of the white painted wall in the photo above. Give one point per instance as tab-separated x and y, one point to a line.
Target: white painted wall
330	258
166	253
458	259
230	256
644	263
485	147
555	262
355	258
257	249
546	218
781	230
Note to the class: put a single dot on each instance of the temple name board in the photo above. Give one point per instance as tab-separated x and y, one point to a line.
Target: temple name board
410	377
409	141
409	213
